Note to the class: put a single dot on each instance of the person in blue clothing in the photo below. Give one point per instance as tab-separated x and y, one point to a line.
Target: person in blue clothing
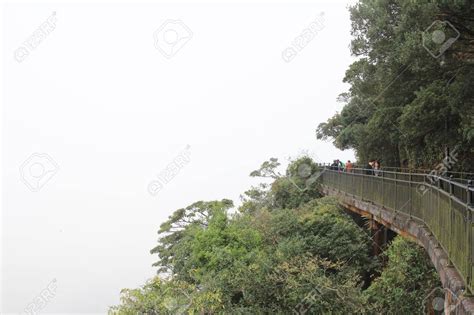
369	168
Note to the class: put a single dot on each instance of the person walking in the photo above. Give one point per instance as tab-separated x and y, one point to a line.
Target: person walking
349	166
369	169
377	168
342	166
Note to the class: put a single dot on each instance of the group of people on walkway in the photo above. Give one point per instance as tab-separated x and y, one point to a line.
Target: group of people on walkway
373	167
338	165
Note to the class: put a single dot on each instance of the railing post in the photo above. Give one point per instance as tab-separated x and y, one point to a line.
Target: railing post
396	192
352	182
410	188
383	189
470	224
339	179
451	218
470	193
437	218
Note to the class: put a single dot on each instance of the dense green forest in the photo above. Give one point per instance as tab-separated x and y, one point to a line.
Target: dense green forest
411	98
287	250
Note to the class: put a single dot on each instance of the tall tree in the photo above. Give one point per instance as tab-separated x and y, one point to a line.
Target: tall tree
410	93
178	231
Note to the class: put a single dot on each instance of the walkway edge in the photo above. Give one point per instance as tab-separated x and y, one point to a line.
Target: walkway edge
409	227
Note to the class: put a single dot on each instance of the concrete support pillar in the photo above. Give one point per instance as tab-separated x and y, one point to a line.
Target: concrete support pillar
379	237
447	300
450	302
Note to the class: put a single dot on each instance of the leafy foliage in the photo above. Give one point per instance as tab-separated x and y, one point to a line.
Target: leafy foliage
265	262
405	282
290	251
403	103
291	190
175	233
287	249
310	259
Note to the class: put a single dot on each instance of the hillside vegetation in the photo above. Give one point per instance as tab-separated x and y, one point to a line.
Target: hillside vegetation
285	250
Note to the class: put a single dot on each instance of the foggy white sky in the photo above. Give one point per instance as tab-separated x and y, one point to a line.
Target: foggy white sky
112	111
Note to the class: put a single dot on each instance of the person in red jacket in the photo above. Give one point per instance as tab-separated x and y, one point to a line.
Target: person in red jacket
349	166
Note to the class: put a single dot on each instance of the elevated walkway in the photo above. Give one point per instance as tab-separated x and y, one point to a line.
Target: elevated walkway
436	212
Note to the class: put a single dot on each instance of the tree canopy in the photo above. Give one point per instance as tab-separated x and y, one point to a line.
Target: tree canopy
285	250
410	95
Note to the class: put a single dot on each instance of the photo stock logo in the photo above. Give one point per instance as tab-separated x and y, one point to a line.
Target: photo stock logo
35	39
438	37
306	36
37	170
307	303
440	170
171	36
170	171
43	299
177	302
305	176
435	302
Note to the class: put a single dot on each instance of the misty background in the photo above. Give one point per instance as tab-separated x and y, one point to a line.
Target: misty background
99	101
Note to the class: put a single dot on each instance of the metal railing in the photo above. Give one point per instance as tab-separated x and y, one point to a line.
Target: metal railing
444	205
